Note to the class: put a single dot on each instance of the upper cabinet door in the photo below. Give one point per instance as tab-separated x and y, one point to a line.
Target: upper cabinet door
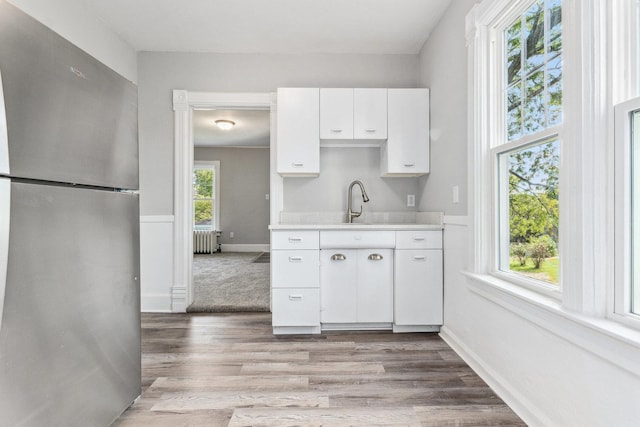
406	152
336	113
370	113
298	139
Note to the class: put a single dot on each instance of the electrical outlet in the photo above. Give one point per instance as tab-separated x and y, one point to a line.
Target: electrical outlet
456	194
231	234
411	200
266	197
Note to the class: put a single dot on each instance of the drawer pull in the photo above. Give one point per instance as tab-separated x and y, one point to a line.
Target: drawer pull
295	259
295	297
418	239
297	164
419	258
336	130
338	257
375	257
409	165
370	130
295	239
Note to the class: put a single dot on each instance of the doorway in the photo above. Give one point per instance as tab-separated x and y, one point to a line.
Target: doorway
185	104
231	220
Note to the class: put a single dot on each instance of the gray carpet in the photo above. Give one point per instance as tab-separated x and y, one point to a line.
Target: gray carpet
230	282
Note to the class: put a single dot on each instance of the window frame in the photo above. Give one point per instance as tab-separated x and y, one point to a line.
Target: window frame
498	144
215	199
623	213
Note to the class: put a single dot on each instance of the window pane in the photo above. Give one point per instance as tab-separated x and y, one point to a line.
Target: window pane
635	209
514	52
554	90
539	64
203	180
534	36
514	111
534	114
529	180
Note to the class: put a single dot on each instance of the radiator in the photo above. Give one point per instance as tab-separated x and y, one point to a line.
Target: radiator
204	242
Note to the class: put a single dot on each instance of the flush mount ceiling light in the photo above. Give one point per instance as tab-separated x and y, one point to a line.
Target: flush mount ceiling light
225	124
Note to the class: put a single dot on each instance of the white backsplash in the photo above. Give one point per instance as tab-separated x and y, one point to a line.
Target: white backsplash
319	218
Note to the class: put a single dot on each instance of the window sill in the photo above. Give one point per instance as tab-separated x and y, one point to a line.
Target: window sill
610	340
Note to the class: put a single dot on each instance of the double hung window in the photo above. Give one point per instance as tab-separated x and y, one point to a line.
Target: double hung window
526	147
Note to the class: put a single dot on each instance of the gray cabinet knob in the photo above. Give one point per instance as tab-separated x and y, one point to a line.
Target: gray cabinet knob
338	257
375	257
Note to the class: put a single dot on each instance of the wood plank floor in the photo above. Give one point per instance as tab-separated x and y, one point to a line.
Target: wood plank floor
229	370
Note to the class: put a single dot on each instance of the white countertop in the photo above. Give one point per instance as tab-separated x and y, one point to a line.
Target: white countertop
356	226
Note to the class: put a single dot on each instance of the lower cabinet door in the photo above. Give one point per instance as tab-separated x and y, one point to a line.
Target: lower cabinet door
418	287
338	280
296	307
375	286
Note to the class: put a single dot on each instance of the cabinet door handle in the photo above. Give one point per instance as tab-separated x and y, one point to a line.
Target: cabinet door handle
295	259
418	239
375	257
338	257
336	130
370	130
409	165
419	258
297	164
295	239
295	297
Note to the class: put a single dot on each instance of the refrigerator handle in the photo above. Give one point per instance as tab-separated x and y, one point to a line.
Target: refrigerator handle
4	136
5	208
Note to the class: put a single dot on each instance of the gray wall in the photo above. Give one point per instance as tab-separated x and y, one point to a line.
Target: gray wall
244	182
160	73
340	166
443	69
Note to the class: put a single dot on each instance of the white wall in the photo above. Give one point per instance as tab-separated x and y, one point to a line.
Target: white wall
160	73
443	69
338	168
552	367
73	21
244	182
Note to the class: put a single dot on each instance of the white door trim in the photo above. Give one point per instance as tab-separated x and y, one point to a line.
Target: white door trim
184	102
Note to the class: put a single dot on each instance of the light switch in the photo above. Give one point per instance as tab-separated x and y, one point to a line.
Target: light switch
411	200
266	197
231	234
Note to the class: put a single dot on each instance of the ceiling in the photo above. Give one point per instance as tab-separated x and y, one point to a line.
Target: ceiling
267	26
251	128
272	26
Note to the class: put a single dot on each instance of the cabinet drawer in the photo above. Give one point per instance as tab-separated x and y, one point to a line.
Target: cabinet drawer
292	239
419	239
296	307
295	268
357	239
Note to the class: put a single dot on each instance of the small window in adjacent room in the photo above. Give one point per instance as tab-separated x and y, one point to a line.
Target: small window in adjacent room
528	155
204	197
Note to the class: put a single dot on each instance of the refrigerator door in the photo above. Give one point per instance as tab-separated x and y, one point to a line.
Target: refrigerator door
70	336
69	117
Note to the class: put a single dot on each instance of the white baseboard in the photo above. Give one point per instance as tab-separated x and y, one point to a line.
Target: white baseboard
529	413
230	247
155	303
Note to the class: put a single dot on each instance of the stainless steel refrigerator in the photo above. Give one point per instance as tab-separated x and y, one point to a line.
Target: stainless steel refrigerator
69	232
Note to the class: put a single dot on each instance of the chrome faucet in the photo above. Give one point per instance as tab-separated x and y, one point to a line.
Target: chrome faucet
351	214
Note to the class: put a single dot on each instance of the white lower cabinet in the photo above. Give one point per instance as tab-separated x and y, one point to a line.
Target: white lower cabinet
356	286
295	282
418	287
296	307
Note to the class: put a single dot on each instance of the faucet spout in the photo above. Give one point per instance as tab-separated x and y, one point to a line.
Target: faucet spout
365	198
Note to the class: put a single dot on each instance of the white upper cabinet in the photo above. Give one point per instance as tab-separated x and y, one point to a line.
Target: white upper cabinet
370	113
406	152
336	113
298	139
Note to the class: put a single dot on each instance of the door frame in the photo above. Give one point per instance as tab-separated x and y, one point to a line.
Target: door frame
184	102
